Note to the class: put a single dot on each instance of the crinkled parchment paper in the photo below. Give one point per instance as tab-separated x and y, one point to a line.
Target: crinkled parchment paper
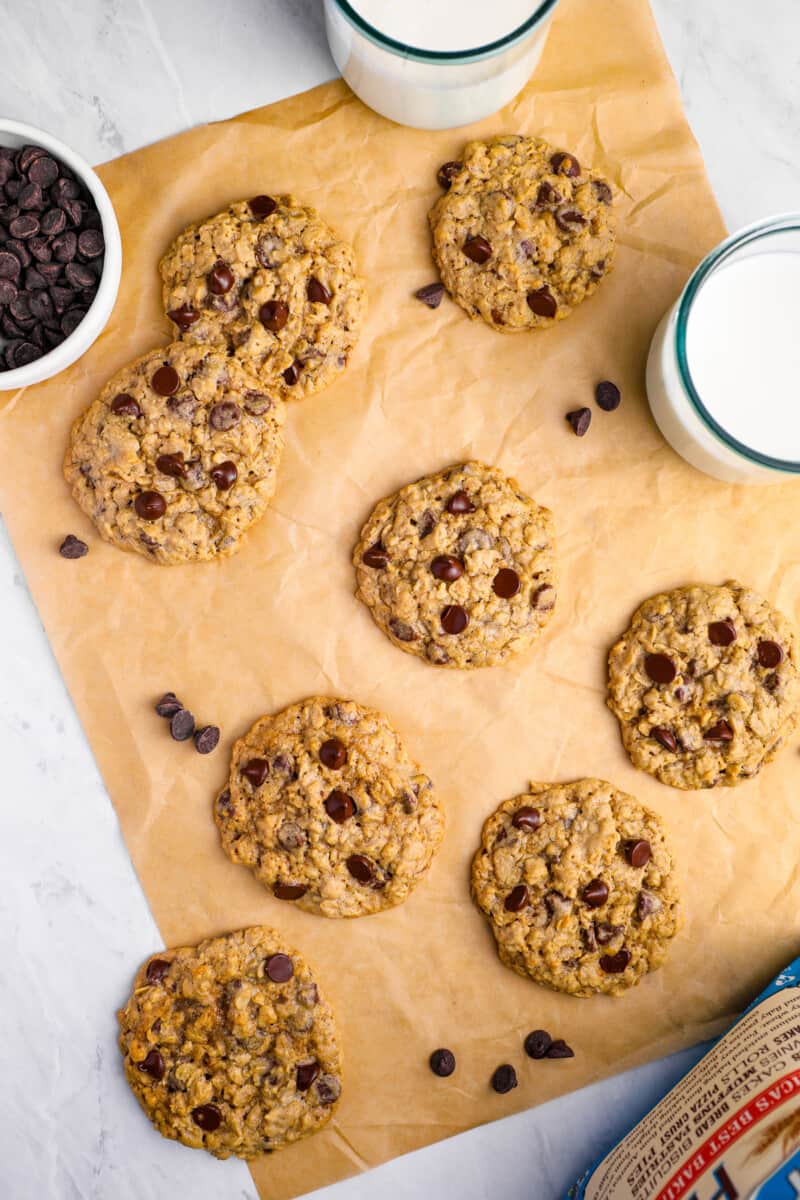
279	621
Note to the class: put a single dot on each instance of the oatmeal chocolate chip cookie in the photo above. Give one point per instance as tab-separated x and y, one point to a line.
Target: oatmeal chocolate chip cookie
273	283
457	568
523	234
705	685
577	882
229	1047
326	808
177	457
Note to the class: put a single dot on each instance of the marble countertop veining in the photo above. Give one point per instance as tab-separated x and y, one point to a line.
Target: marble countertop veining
108	76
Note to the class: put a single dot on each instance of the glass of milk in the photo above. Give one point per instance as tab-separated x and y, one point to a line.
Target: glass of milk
436	64
723	374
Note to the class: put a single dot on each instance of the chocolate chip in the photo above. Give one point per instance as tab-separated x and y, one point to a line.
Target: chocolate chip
206	739
172	464
24	226
53	222
569	219
542	302
504	1079
306	1074
771	682
527	818
615	964
156	970
647	904
560	1049
427	524
402	631
721	732
71	320
224	416
454	619
770	654
517	899
537	1043
595	894
10	265
722	633
153	1064
447	172
638	852
447	568
220	278
375	557
124	405
459	503
279	968
360	868
40	250
65	246
580	419
602	191
184	317
168	705
660	668
477	249
72	547
150	506
181	726
90	243
273	315
442	1063
340	807
224	475
605	933
328	1089
565	164
333	754
432	294
255	771
263	206
506	583
43	171
607	395
207	1117
289	891
317	293
547	195
665	737
41	307
292	374
165	381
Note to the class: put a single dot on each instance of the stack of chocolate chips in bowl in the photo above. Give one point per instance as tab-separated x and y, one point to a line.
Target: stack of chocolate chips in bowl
51	254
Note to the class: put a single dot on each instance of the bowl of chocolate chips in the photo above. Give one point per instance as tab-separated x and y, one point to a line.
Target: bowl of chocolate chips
60	255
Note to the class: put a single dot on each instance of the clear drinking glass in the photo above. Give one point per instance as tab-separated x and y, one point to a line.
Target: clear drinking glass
434	89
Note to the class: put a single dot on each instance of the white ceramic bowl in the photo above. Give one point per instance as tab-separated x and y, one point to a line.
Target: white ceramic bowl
15	133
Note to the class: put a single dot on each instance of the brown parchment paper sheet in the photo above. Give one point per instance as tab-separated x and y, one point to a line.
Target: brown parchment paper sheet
279	621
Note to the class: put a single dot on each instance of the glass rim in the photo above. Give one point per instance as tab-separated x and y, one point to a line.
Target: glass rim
751	233
455	57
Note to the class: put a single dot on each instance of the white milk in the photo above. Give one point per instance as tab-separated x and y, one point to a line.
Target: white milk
412	89
742	350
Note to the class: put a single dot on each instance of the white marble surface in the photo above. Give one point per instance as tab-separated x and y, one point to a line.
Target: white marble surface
108	76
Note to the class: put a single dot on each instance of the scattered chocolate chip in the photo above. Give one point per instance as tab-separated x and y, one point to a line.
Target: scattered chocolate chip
722	633
150	506
208	1117
168	705
165	381
340	807
432	294
665	737
172	464
360	868
504	1079
569	219
375	557
333	754
517	899
547	195
306	1074
506	583
542	302
580	419
447	173
317	293
459	503
541	599
638	852
153	1064
206	739
273	315
560	1049
292	374
255	771
770	654
565	164
279	968
184	317
442	1063
224	416
263	206
602	191
607	395
403	632
771	682
660	668
224	475
721	732
156	970
124	405
447	568
477	249
328	1089
527	818
454	619
537	1043
647	904
595	894
289	891
605	932
181	725
72	547
220	278
615	964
